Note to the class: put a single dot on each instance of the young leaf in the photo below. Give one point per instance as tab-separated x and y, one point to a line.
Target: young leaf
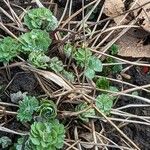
36	40
56	65
5	141
89	73
102	83
40	18
68	75
95	64
38	59
47	109
47	135
114	49
9	48
82	56
68	50
26	108
85	115
104	103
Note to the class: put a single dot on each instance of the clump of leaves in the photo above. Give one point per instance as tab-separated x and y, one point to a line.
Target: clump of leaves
69	49
40	18
56	65
22	144
9	49
104	103
103	83
85	115
38	59
68	75
26	108
47	135
92	64
114	49
36	40
5	141
16	97
116	68
47	109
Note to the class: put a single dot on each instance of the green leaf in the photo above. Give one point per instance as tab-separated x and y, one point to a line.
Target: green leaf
89	73
38	59
68	50
5	141
135	93
114	49
95	64
47	109
68	75
51	136
26	108
102	83
85	115
36	40
104	103
113	89
56	65
9	48
82	56
40	18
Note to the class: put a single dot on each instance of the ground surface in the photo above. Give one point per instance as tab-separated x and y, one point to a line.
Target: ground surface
133	121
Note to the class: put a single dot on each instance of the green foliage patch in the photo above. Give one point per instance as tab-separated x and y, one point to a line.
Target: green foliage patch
9	48
40	18
26	108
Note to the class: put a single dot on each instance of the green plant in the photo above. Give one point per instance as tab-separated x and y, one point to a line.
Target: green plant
82	56
9	48
36	40
104	103
103	83
26	108
56	65
92	64
38	59
68	75
47	135
69	49
85	115
22	144
5	141
114	49
47	109
40	18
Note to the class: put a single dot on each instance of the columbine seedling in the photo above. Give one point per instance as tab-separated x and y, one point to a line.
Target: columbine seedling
47	135
104	103
26	108
38	59
85	115
36	40
47	109
9	48
40	18
5	141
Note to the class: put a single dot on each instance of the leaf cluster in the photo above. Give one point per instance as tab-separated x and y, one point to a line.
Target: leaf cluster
47	109
47	135
40	18
84	59
85	115
9	48
26	108
36	40
5	141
